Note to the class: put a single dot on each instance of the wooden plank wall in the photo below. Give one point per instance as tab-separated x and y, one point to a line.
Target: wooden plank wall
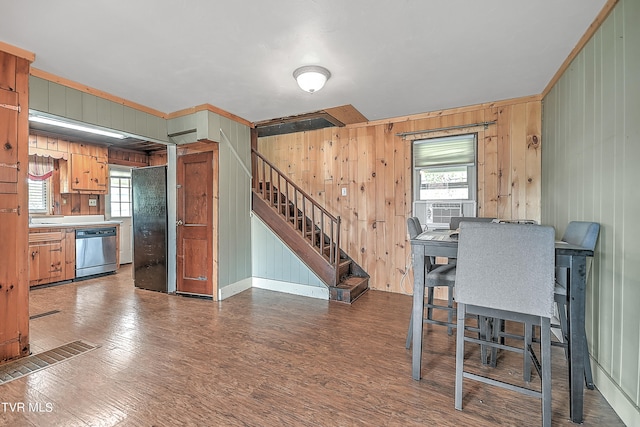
127	158
14	206
374	165
68	203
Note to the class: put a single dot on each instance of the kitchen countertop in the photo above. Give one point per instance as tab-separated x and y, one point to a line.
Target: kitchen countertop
75	224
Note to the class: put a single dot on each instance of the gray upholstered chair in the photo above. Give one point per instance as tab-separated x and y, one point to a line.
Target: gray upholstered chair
584	234
414	226
506	271
454	224
435	275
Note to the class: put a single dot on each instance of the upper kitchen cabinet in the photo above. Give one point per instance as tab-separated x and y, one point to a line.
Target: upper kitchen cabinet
86	171
89	173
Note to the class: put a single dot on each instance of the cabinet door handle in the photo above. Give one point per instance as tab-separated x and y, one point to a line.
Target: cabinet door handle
33	254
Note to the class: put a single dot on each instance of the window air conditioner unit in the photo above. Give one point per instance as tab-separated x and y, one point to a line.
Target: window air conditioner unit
441	213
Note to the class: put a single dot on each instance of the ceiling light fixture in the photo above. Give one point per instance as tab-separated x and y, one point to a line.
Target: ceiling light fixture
311	78
69	125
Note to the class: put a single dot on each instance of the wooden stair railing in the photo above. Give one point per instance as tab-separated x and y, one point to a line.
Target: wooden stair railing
313	222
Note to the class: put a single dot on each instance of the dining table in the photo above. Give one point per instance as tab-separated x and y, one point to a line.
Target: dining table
444	243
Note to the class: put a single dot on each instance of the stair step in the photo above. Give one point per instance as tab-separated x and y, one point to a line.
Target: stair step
349	289
343	268
327	249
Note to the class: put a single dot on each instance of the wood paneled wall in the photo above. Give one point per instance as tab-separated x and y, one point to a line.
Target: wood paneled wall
374	164
69	203
131	158
158	159
14	205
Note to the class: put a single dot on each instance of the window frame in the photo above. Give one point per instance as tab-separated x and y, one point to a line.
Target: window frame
45	201
120	174
425	209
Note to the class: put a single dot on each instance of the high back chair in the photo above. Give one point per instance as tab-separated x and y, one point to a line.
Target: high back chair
455	221
435	275
506	271
584	234
414	226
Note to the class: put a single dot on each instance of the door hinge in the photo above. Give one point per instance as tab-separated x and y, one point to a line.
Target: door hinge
15	166
11	107
11	210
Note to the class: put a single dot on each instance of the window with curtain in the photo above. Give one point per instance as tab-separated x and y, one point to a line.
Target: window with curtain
444	177
40	172
120	192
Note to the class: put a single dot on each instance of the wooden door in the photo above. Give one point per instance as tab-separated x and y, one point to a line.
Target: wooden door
195	224
14	228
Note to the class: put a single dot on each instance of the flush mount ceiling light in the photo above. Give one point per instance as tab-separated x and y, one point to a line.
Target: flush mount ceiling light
311	78
69	125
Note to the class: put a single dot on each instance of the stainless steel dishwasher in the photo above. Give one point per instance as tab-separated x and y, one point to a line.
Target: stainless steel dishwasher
95	251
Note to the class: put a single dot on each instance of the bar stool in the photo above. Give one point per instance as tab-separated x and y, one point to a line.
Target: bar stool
506	271
435	275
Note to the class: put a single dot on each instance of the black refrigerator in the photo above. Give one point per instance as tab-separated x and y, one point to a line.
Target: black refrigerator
149	199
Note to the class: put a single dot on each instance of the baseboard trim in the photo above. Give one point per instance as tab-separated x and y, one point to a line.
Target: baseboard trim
291	288
234	288
628	412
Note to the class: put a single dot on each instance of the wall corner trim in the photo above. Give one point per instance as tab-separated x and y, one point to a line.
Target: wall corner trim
16	51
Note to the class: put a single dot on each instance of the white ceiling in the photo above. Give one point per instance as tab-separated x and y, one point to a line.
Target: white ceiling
388	58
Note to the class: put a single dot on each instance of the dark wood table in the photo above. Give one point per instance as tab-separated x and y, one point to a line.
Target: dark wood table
439	243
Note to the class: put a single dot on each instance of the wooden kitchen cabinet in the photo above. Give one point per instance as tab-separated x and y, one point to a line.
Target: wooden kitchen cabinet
69	254
85	173
52	253
46	256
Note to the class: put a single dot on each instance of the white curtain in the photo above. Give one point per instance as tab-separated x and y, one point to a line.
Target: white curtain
40	168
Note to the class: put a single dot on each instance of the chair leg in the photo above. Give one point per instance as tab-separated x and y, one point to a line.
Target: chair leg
430	302
450	311
528	339
562	315
545	349
407	344
588	376
496	326
459	355
482	335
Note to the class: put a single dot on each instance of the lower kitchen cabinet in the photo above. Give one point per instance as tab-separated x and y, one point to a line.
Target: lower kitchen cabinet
46	257
52	255
69	254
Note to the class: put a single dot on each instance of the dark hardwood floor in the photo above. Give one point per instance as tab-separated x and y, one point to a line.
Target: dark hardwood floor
260	358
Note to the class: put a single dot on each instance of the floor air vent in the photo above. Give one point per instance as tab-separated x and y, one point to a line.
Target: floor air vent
36	362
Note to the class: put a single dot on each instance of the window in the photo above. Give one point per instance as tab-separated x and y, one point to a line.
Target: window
39	196
444	176
120	192
445	183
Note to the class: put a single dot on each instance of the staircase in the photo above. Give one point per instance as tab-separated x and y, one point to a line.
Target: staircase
307	229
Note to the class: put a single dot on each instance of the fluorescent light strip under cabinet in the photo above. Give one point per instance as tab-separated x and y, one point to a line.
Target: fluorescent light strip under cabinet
73	126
